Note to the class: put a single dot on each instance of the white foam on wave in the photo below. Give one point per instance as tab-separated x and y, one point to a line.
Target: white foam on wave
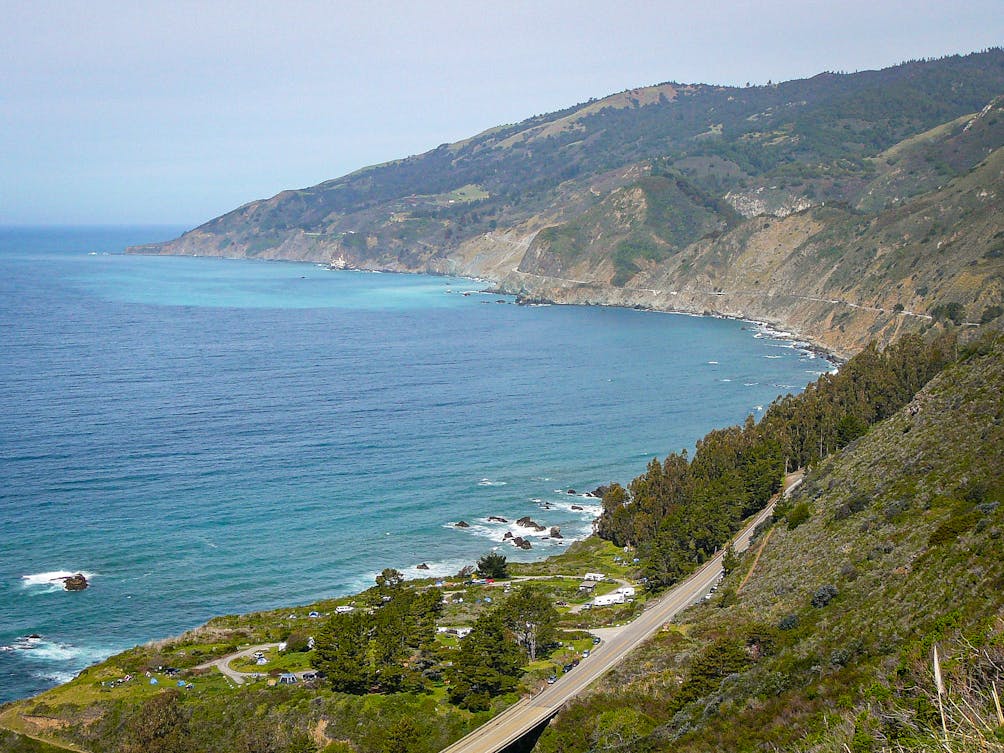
493	531
724	380
773	356
713	363
439	569
750	384
489	482
59	662
589	511
52	581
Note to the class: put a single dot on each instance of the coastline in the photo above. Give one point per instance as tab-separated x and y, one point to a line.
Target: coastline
537	555
782	329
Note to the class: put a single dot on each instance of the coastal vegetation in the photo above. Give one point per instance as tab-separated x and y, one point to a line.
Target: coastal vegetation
681	511
822	636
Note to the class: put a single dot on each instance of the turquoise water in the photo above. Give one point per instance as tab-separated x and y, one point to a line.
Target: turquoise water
205	436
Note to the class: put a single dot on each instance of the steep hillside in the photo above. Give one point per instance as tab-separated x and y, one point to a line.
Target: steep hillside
821	637
837	275
647	197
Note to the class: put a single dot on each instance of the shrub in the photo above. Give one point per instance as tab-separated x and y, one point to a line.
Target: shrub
788	622
824	595
849	571
798	515
952	528
839	657
298	640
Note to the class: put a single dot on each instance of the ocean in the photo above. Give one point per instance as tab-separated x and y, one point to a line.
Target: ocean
203	436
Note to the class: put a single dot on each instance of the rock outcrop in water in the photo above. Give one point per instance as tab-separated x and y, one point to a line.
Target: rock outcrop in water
75	582
527	522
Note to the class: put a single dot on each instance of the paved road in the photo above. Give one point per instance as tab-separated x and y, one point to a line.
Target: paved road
519	719
223	664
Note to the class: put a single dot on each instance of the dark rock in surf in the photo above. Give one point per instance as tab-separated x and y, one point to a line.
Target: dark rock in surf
528	522
75	582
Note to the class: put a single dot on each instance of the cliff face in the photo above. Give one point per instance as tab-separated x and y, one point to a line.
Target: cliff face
843	208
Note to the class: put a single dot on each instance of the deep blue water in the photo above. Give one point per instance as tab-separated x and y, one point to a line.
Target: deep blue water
207	436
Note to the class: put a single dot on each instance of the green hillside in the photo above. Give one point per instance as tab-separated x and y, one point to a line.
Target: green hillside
821	637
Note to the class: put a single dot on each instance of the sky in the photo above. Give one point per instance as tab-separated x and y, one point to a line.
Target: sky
173	112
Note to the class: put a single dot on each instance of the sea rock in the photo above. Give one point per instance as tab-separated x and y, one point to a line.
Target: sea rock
572	491
577	507
75	582
423	566
496	519
555	532
527	522
462	524
599	491
521	543
508	535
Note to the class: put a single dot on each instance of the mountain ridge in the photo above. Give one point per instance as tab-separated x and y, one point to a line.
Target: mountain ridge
633	196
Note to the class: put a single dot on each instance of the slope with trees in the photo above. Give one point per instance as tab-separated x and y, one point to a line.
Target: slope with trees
829	643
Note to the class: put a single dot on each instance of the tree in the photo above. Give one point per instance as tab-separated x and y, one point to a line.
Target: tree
389	579
341	647
730	560
403	736
162	725
488	664
493	565
531	617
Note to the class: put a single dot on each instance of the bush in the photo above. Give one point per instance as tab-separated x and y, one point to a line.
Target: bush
839	657
788	622
798	515
952	528
298	640
990	313
824	595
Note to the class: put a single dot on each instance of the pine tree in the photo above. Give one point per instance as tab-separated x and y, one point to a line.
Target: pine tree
531	617
730	560
488	664
341	647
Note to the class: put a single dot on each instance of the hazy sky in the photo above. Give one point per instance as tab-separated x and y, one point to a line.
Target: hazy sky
174	112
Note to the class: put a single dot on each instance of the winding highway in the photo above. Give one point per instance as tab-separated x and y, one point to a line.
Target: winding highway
522	717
